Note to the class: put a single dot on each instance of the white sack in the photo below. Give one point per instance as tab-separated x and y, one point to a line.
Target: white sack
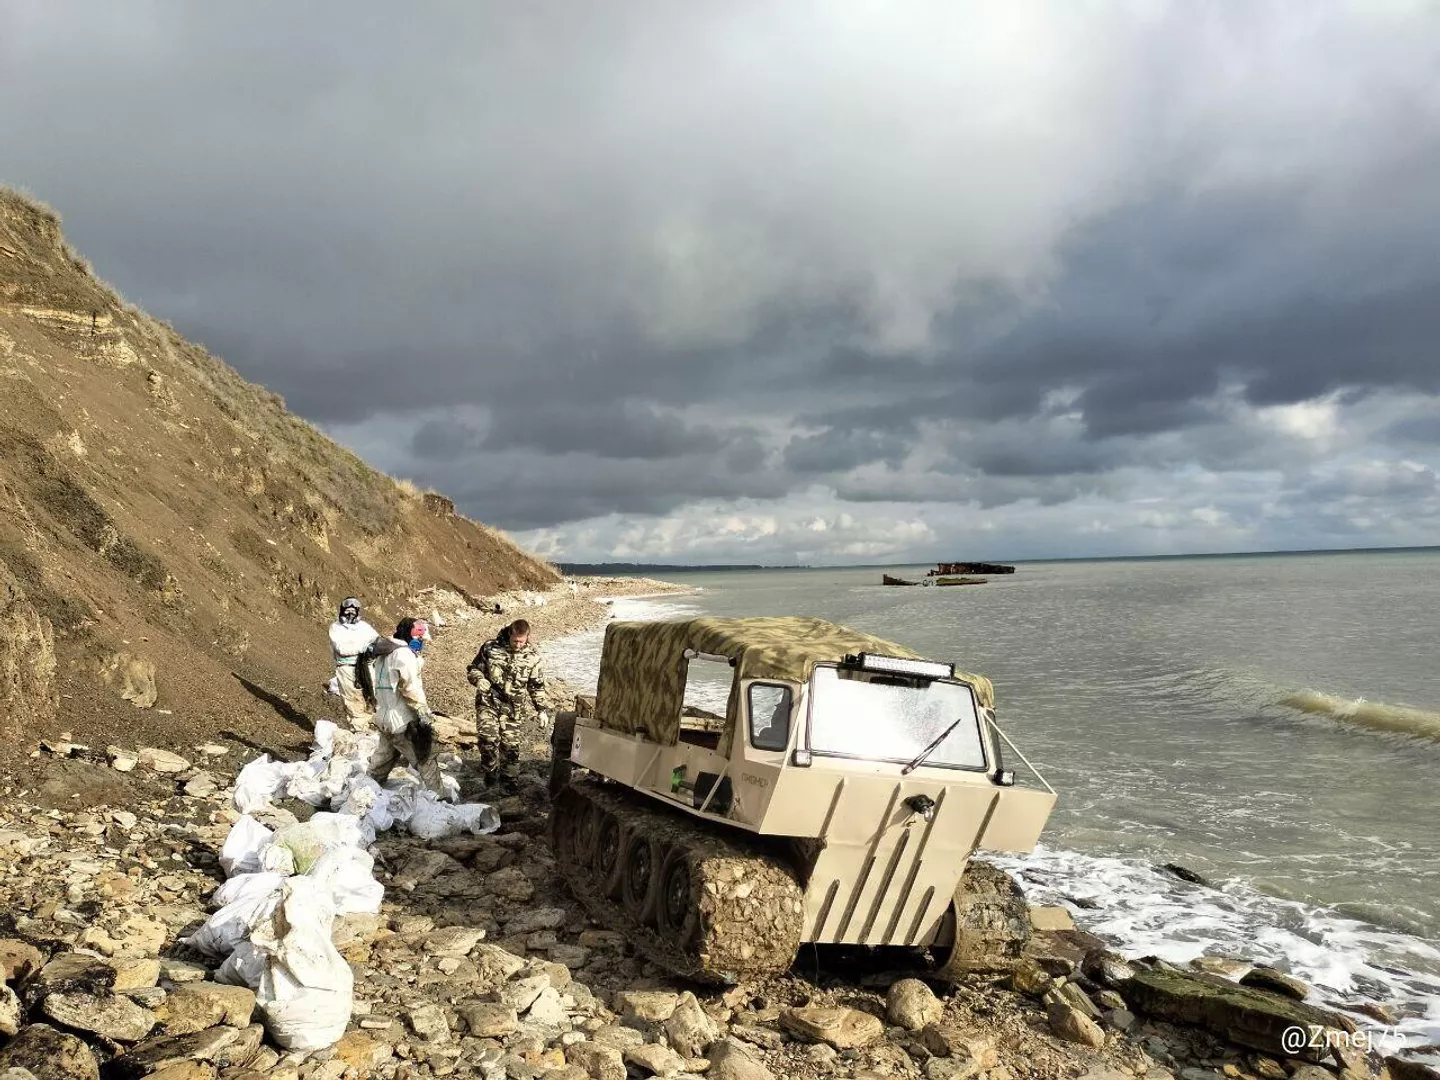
434	820
307	991
240	854
232	924
259	782
347	877
246	887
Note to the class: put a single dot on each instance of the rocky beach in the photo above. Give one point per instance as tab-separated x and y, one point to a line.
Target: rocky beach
479	962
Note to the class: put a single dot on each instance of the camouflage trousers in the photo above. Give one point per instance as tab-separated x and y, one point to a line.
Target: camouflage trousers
498	732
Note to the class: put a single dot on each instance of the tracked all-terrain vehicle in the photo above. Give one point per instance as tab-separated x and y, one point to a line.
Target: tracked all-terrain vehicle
839	799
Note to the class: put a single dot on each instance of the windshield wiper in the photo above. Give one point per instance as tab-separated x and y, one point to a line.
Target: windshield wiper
920	757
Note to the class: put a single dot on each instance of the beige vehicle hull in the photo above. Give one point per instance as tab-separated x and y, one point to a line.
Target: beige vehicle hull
880	874
845	849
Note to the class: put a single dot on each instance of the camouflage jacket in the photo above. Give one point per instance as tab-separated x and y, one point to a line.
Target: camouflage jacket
517	674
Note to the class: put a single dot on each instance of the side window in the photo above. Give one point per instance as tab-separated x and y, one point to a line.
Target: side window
769	716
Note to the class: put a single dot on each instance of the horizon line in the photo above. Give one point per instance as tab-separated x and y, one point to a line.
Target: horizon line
1037	559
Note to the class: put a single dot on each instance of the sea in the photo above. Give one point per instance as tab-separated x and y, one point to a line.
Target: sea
1270	723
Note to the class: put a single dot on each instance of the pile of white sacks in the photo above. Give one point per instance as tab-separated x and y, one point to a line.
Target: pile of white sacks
287	885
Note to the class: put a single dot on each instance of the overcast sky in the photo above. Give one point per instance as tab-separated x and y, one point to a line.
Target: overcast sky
768	282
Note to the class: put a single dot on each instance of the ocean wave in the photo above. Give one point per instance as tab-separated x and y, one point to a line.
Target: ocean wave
1145	911
1376	715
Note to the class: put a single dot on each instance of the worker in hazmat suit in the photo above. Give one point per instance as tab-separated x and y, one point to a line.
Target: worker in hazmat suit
349	634
402	714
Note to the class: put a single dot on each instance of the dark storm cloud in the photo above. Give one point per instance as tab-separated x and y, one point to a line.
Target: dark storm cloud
567	261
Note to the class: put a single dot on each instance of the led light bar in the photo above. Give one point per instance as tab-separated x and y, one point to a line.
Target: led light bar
895	665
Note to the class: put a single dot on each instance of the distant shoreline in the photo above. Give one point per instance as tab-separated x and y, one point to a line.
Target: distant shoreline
639	569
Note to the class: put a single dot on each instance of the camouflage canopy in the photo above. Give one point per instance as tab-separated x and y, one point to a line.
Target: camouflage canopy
642	674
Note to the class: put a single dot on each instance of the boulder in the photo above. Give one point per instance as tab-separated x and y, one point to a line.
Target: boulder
689	1030
12	1013
428	1022
162	761
652	1059
1277	982
18	960
730	1061
1029	978
1250	1017
844	1029
911	1004
362	1051
1405	1069
454	941
488	1019
520	994
1071	1024
949	1041
1106	968
197	1006
599	1062
156	1054
1051	918
135	973
49	1055
652	1006
116	1018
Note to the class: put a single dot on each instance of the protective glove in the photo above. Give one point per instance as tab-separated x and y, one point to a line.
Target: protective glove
546	718
425	718
472	677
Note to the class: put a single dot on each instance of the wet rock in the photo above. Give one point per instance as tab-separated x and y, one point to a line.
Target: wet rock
488	1019
244	1049
652	1006
49	1055
842	1028
911	1004
730	1061
72	973
18	960
1185	874
1277	982
1120	1019
1071	1024
599	1062
1405	1069
156	1054
1378	1012
1220	965
1106	968
116	1018
652	1059
1244	1015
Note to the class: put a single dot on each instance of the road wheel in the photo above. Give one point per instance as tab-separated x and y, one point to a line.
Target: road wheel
640	878
677	908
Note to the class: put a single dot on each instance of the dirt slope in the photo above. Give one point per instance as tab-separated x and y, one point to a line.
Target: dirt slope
157	509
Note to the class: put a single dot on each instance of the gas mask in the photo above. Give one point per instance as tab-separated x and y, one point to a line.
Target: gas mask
350	611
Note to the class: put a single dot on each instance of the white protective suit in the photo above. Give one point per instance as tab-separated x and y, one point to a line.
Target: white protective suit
399	705
347	640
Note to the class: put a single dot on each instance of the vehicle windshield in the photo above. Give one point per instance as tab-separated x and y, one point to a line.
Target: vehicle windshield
863	715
